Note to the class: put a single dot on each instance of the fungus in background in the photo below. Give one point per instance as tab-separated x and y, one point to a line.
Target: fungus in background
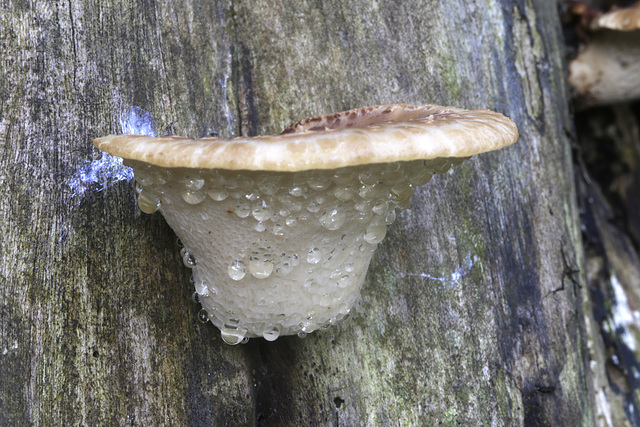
607	68
279	230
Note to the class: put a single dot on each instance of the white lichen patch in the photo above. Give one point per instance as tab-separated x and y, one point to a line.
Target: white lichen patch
279	253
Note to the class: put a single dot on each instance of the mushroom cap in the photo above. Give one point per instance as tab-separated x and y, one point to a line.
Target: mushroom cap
375	134
623	19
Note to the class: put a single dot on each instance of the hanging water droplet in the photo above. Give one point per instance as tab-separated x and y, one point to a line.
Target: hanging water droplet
368	177
243	208
380	207
291	221
148	202
193	197
319	183
193	183
313	257
390	217
261	211
137	187
343	193
268	184
188	259
237	270
343	281
203	316
232	334
271	333
202	288
195	298
278	230
375	232
302	334
333	219
260	269
218	194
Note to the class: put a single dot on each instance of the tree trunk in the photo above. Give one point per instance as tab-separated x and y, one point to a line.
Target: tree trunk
472	310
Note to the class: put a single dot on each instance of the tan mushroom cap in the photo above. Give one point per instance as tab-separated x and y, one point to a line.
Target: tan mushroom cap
623	19
376	134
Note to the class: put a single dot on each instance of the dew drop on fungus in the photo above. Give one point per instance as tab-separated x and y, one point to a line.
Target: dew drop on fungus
375	232
193	197
261	211
195	297
237	270
260	269
313	257
243	209
390	217
203	316
188	259
148	202
333	219
271	333
193	183
218	194
232	334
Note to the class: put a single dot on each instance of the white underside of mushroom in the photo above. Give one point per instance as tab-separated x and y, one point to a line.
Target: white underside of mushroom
607	71
280	253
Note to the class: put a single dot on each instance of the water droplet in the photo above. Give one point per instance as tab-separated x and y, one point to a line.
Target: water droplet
333	219
193	183
298	190
261	211
188	259
202	288
370	192
243	208
193	197
203	316
218	194
313	257
260	227
393	173
368	177
260	269
137	187
291	221
343	193
319	183
278	230
390	217
375	232
148	202
271	333
364	205
314	206
237	270
232	334
302	334
244	182
269	184
195	297
381	206
420	177
343	281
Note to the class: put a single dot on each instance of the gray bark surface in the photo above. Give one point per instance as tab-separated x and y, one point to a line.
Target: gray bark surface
470	315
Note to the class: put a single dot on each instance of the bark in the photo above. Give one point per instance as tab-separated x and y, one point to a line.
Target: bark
472	312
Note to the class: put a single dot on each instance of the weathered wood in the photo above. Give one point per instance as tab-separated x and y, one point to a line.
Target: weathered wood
470	314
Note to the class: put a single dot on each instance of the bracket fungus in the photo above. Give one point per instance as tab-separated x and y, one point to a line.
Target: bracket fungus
607	68
279	230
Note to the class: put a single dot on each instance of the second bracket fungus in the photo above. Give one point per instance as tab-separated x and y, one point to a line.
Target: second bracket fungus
279	230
